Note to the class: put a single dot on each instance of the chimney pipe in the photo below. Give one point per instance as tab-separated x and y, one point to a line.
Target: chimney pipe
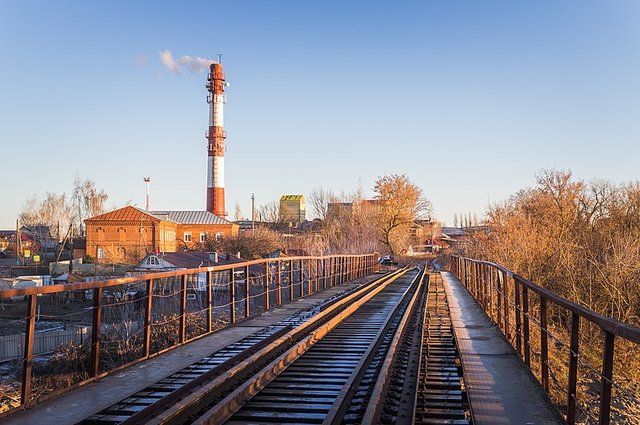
215	140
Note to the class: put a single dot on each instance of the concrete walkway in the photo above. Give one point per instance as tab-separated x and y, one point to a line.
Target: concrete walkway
501	389
80	403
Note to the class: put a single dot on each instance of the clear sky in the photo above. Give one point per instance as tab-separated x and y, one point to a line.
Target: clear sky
470	99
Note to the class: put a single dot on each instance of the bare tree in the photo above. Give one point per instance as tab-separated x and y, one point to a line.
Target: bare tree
270	213
87	201
49	217
319	198
237	214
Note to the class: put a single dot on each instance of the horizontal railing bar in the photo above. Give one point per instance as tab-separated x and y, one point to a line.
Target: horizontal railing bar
623	330
52	289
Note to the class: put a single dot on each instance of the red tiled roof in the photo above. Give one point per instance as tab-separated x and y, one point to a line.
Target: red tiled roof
127	213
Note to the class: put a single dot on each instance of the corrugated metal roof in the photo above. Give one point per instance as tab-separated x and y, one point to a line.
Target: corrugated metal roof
128	213
191	217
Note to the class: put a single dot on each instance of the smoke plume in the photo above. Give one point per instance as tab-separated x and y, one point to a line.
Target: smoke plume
192	64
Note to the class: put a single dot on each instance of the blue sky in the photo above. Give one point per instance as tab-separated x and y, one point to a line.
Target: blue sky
470	99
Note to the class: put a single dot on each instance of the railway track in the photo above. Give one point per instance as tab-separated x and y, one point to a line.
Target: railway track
382	354
315	380
440	395
141	406
422	381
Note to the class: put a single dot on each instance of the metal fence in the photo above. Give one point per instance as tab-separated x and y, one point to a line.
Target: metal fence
134	318
12	346
566	346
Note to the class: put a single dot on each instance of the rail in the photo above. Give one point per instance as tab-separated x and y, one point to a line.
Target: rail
135	318
520	307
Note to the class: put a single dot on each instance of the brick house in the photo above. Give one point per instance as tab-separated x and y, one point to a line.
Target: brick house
196	227
129	233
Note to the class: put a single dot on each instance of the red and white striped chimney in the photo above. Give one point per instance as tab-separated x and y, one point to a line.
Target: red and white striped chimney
215	137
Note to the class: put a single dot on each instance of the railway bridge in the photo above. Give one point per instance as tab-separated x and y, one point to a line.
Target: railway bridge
313	340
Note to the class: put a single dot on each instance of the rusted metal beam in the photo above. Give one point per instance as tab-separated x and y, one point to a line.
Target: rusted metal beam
232	296
27	361
183	309
525	320
95	331
607	378
247	293
572	397
544	345
148	318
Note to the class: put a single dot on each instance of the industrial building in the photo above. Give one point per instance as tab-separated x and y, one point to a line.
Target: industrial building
293	210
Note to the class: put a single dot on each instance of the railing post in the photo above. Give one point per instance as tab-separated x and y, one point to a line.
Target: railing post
266	286
573	370
183	309
95	331
525	318
499	291
302	278
492	276
291	279
487	288
544	345
232	296
518	312
247	293
324	273
607	377
279	283
505	305
317	280
28	349
148	318
209	299
309	276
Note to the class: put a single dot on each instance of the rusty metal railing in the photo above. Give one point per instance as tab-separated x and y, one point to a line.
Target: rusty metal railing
520	307
134	318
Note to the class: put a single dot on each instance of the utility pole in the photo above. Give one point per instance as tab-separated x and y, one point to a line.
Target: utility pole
147	181
253	212
18	243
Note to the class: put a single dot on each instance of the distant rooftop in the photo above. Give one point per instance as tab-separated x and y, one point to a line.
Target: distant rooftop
190	217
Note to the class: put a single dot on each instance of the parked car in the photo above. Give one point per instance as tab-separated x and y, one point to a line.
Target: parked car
387	259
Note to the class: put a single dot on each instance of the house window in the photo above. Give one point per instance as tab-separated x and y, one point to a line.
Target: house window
203	236
152	261
219	236
100	232
122	233
187	236
100	253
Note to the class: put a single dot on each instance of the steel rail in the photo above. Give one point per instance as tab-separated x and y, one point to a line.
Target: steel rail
226	380
142	405
376	401
337	411
440	396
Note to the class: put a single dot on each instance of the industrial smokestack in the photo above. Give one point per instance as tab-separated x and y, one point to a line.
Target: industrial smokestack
215	138
147	181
